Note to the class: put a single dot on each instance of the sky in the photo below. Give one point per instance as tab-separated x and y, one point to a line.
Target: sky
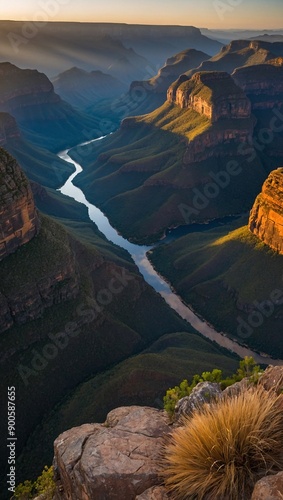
213	14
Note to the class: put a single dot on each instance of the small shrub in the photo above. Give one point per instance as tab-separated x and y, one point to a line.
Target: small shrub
221	451
247	368
44	484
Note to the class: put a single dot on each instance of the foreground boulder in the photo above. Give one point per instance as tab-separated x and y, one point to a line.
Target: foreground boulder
269	488
204	392
120	459
115	460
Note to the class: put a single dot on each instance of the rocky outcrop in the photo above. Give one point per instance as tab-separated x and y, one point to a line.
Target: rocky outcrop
204	146
23	300
8	128
270	487
204	392
266	216
213	94
121	458
272	379
19	221
17	307
262	83
114	460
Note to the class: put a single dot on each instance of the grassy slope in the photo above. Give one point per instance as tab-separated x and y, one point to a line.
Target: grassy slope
125	326
141	379
40	165
56	126
233	269
139	174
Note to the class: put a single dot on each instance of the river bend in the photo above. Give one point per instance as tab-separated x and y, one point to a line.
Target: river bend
139	256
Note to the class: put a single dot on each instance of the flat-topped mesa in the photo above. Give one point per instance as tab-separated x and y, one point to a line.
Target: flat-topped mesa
262	83
266	216
19	221
210	93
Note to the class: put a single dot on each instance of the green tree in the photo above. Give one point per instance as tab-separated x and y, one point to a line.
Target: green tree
247	368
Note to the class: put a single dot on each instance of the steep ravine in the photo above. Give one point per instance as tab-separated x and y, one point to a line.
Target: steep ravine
139	255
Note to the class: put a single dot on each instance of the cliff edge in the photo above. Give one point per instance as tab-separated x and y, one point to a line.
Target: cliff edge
266	216
19	221
121	459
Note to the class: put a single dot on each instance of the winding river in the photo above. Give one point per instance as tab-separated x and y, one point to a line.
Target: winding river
139	256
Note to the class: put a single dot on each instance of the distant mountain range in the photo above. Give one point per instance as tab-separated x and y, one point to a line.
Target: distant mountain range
225	36
241	53
126	52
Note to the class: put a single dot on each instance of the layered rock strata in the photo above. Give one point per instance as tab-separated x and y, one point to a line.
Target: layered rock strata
19	221
210	93
266	216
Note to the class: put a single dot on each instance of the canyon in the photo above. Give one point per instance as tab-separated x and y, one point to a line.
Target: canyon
54	298
55	271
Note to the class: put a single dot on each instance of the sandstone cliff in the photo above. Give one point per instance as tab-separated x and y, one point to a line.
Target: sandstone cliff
213	94
262	83
24	297
266	217
19	221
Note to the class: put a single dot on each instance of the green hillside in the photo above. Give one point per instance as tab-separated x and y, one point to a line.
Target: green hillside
227	277
141	380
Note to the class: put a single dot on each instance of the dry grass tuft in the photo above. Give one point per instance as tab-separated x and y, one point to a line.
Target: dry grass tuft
223	450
